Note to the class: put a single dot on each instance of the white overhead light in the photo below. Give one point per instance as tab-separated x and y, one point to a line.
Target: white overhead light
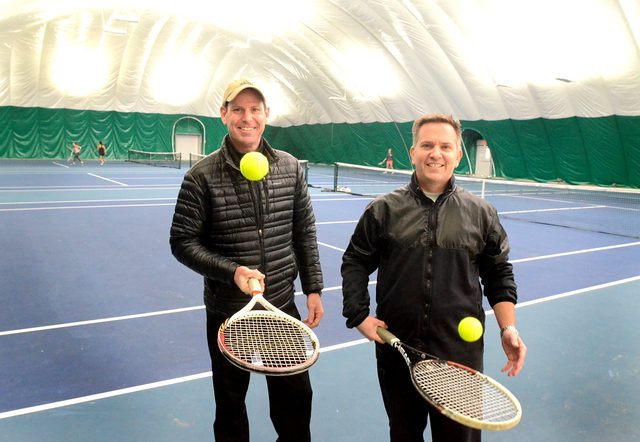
116	31
127	18
178	77
70	70
529	44
367	73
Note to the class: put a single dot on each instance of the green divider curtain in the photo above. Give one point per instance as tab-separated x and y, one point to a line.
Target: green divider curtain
603	151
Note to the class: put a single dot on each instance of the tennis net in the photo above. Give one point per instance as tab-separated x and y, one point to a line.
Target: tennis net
158	159
596	209
194	158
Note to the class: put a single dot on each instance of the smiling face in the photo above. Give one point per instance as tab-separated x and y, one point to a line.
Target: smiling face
435	154
245	117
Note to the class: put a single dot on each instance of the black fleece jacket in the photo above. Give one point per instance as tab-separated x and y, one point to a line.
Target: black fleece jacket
431	260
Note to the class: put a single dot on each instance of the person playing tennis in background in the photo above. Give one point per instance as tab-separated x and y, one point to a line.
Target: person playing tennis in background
102	151
437	248
388	160
75	154
230	229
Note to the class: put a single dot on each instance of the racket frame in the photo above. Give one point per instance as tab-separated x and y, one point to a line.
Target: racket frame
421	357
271	311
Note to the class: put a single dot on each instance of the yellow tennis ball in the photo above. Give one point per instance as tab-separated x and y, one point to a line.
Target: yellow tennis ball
470	329
254	166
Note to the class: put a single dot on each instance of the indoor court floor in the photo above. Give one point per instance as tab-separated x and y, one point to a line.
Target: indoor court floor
102	331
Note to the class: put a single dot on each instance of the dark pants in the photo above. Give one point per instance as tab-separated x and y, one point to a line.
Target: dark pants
289	398
408	412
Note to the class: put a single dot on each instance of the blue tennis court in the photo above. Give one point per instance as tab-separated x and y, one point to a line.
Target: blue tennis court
102	331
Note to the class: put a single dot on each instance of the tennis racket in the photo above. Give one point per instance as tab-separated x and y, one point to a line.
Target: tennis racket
459	392
267	341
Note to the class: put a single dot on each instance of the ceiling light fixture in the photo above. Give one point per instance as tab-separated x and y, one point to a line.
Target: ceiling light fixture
115	31
127	18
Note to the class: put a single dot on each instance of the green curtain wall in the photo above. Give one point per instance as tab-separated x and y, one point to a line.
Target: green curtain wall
603	151
49	133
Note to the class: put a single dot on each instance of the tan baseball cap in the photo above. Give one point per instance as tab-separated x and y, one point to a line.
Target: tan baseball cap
237	86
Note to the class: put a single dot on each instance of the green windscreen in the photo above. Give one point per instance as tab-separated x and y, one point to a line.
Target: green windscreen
603	151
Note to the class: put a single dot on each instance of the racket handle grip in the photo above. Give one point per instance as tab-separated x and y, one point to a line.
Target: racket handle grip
254	286
386	335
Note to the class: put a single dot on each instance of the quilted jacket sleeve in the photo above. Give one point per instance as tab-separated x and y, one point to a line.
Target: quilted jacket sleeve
187	233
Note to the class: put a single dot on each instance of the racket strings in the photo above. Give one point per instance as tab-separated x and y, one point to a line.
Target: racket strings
463	392
268	341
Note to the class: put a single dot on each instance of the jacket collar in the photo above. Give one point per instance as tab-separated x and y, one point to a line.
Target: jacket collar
415	186
232	156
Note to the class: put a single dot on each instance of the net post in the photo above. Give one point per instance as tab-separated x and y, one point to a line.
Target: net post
305	168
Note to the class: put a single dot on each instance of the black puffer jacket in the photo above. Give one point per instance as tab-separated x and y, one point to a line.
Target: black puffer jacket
223	221
430	258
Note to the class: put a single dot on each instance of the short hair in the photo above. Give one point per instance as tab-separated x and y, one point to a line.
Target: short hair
436	118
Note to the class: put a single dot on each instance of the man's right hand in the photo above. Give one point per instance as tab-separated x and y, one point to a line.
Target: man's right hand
368	328
243	274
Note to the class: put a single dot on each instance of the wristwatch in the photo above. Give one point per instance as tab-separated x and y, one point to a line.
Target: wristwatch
510	328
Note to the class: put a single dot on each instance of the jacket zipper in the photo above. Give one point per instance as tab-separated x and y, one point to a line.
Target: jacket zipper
255	189
432	220
260	225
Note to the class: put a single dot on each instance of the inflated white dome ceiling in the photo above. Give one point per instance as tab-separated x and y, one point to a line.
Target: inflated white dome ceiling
326	61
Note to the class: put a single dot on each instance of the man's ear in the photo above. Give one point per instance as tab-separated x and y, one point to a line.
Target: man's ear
459	156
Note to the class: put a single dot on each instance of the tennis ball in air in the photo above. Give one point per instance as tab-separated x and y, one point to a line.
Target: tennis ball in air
254	166
470	329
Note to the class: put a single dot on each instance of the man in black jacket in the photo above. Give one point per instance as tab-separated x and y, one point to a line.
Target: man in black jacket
432	243
230	229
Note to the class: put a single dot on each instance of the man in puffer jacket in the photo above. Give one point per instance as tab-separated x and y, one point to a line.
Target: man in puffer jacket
230	229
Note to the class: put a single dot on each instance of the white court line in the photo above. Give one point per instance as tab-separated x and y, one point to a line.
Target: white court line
557	209
344	345
330	246
101	206
86	201
100	321
326	289
106	206
39	189
107	179
335	222
61	165
112	200
347	199
108	394
578	291
110	205
138	388
126	317
575	252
